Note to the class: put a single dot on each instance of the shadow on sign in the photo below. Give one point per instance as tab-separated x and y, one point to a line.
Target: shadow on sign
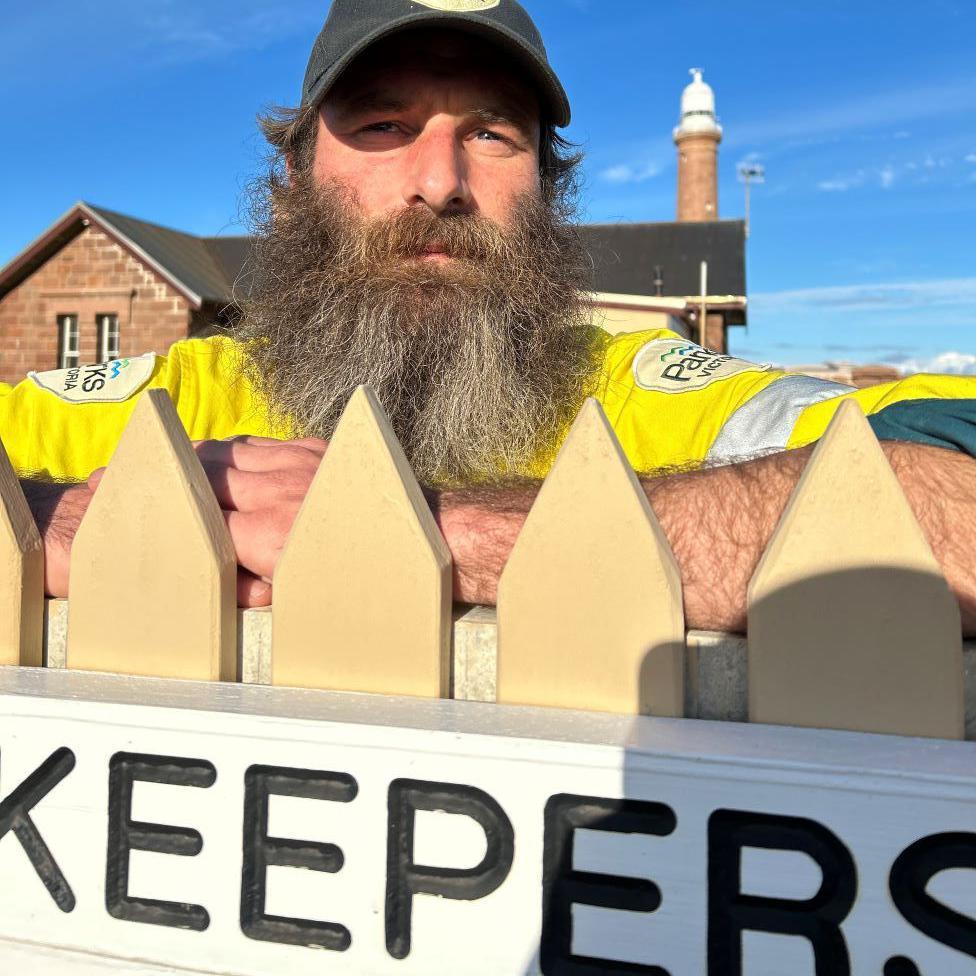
717	854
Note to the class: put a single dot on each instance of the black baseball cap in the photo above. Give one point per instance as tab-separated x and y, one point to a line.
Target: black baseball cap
353	25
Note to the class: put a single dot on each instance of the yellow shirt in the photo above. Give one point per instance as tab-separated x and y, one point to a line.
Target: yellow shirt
671	403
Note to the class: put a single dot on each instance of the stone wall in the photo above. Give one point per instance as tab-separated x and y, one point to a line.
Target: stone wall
716	680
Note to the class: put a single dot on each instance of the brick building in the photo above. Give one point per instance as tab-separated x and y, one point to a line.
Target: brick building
98	285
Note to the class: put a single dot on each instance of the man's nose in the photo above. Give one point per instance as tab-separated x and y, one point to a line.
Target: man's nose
436	173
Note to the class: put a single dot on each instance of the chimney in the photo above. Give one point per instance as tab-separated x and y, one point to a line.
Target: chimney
697	137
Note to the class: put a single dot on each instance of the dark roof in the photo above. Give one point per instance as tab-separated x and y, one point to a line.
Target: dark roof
231	255
195	261
202	268
625	256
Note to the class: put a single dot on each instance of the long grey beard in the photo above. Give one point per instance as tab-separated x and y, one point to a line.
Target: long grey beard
479	365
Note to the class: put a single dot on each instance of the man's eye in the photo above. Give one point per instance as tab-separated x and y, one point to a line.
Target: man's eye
489	136
380	127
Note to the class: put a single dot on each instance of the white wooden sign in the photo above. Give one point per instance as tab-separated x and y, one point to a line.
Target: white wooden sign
248	830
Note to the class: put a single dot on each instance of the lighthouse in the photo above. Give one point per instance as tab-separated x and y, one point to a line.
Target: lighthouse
697	137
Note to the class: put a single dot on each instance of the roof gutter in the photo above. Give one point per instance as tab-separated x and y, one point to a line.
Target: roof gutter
659	303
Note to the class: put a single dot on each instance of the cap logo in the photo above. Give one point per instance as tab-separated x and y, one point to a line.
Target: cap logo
459	6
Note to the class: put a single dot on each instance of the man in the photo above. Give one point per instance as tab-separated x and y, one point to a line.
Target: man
414	237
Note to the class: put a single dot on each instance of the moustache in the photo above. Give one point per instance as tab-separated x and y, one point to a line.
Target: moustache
416	233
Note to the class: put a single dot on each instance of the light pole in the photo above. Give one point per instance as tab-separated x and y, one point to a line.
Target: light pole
750	173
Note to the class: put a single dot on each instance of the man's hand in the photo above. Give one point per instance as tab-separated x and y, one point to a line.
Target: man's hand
260	484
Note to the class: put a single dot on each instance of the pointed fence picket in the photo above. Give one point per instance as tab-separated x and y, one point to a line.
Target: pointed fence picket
153	571
589	604
850	623
21	574
362	590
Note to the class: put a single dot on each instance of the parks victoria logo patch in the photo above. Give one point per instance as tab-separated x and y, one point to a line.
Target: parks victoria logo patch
111	382
679	366
459	6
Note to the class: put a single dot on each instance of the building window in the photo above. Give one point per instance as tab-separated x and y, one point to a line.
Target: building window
68	348
108	336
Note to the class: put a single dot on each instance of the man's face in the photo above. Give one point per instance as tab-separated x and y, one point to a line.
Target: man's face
420	255
431	120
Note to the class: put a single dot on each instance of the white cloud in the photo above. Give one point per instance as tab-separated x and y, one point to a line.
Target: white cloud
971	158
930	166
143	36
956	363
834	186
888	295
625	173
841	184
190	32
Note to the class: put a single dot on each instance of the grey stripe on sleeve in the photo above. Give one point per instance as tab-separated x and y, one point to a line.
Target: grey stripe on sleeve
763	424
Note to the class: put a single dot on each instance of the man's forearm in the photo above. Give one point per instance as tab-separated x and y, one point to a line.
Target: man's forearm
57	509
941	488
741	505
45	499
719	522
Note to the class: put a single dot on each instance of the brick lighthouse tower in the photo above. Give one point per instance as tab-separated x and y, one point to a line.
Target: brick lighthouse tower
697	137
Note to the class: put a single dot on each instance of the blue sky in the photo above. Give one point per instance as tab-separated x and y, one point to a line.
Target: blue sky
862	112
